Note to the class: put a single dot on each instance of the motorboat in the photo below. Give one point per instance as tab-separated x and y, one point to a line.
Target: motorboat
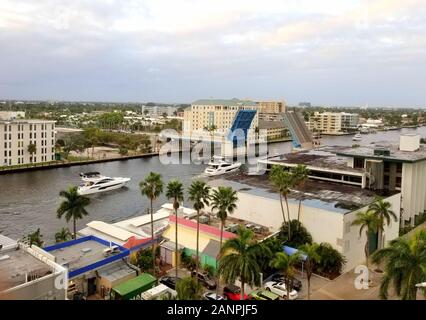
94	182
218	165
357	137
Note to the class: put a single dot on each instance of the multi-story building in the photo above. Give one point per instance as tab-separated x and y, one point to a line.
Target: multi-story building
333	122
216	115
29	273
386	167
271	106
17	134
274	129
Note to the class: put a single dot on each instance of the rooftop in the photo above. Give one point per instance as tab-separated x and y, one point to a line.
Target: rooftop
224	102
203	227
17	265
116	271
266	124
84	254
27	121
395	153
324	157
329	196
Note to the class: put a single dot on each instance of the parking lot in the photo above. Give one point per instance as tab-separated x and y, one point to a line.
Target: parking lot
317	283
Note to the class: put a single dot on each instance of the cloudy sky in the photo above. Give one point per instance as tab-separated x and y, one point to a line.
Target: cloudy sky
338	52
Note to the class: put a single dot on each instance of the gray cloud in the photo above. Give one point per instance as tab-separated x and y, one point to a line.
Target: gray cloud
332	53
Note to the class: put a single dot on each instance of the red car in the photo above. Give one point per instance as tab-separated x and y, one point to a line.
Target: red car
232	292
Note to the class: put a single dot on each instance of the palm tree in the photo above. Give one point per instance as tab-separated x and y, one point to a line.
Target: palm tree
405	265
286	264
383	210
300	176
152	187
35	238
240	258
283	181
73	207
175	192
312	257
63	235
369	221
199	194
188	289
32	148
224	200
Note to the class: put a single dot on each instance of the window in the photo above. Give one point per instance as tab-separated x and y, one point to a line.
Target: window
398	182
359	163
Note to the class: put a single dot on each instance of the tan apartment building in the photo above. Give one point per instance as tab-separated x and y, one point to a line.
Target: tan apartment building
217	114
274	129
333	122
17	134
271	106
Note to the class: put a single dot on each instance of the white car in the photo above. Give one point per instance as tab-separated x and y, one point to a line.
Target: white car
212	296
280	289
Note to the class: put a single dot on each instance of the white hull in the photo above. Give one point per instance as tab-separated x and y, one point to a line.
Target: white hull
357	137
114	184
218	172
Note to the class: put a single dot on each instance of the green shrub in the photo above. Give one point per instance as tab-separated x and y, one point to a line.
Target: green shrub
209	270
331	261
187	261
188	289
299	234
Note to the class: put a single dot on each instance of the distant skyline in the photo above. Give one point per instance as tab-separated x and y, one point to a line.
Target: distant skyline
329	52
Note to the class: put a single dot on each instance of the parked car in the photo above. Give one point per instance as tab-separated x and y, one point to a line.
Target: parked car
169	281
232	228
205	280
280	289
232	292
296	283
263	295
212	296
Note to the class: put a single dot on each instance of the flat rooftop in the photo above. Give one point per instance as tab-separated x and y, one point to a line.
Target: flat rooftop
27	121
16	265
79	255
329	196
84	254
323	157
395	153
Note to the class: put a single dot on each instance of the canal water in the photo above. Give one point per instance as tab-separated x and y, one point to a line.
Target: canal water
29	200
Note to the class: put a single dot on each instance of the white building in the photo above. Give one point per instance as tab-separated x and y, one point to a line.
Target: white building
17	134
327	210
29	273
381	166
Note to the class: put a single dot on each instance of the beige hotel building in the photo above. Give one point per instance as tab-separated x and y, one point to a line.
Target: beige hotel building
17	134
206	114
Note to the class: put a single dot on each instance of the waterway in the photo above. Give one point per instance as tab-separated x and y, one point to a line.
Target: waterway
29	200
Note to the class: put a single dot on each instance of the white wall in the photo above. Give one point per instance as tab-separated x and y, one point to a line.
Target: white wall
413	189
353	244
324	225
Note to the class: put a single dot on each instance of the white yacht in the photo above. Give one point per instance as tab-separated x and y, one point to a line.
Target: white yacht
218	165
357	137
94	182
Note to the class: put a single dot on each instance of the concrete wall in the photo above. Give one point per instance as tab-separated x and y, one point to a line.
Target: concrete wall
352	245
45	288
413	189
324	225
